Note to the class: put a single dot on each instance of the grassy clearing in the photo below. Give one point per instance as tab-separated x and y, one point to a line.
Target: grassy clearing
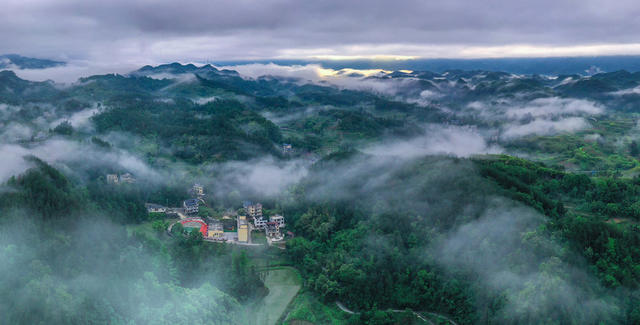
258	237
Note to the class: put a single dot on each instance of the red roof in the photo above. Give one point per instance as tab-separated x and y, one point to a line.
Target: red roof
203	226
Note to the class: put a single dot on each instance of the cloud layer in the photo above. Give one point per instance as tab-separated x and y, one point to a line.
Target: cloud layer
142	31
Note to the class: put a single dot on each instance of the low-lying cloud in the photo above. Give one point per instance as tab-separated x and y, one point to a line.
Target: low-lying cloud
65	153
264	177
545	127
554	106
354	79
437	140
72	71
503	248
542	116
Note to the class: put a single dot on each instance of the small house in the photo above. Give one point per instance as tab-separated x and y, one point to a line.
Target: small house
287	148
155	208
127	178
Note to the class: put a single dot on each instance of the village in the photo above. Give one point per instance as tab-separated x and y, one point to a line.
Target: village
234	227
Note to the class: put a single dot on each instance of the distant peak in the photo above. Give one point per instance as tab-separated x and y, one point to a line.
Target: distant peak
23	62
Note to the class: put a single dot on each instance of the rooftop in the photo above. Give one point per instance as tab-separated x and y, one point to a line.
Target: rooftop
153	206
215	226
191	202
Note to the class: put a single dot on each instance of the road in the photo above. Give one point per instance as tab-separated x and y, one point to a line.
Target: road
416	313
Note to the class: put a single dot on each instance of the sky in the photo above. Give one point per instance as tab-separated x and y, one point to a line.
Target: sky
152	31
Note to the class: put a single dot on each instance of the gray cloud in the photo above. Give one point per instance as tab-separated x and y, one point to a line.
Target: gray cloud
145	31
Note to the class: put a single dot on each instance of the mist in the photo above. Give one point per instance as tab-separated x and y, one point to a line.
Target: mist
437	140
470	230
97	265
512	257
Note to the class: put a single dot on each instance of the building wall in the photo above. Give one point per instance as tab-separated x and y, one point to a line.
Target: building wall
243	233
215	233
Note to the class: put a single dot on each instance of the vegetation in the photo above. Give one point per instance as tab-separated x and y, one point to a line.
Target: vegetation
91	271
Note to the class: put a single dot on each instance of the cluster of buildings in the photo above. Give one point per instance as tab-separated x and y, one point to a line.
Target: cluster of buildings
252	218
123	178
192	206
270	226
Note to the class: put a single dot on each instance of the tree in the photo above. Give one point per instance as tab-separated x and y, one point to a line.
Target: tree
64	128
634	151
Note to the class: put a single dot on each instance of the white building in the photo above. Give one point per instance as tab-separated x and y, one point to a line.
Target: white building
272	231
112	178
127	178
155	208
259	223
277	219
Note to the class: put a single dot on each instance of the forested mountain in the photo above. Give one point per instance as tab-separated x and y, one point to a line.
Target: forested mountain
474	197
23	62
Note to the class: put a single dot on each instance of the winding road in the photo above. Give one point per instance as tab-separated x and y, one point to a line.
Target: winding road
416	313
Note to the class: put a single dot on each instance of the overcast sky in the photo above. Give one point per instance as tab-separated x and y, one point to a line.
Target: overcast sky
152	31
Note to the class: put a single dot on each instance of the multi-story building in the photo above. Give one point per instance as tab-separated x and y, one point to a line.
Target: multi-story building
277	219
190	206
259	223
243	229
112	178
254	210
197	190
272	230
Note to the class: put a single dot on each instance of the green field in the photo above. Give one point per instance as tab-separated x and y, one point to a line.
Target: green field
283	284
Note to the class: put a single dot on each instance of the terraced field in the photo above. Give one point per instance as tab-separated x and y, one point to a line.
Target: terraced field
283	284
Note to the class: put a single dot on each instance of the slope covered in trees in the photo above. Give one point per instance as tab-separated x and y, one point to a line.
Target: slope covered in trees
65	261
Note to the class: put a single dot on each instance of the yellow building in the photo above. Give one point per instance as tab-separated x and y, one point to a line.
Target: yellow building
243	229
215	230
